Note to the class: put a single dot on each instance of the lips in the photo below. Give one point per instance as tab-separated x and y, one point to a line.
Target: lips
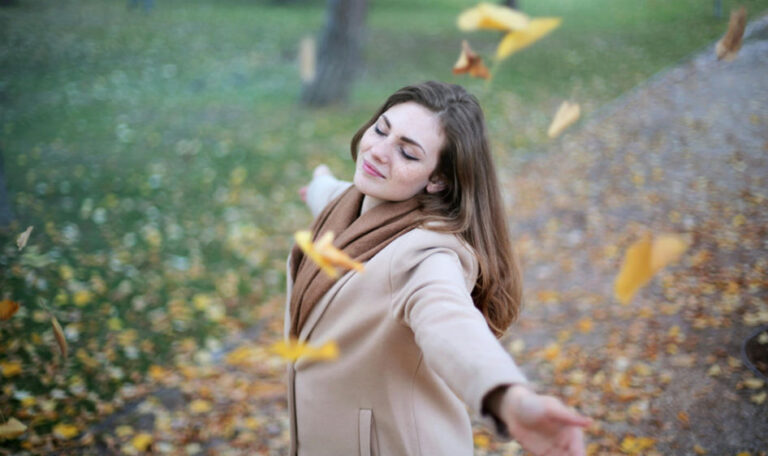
368	168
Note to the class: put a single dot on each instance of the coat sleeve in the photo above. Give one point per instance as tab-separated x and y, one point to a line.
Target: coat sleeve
431	289
322	190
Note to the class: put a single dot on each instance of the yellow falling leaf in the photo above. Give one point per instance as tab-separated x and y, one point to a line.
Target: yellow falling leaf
643	259
8	308
65	431
142	441
324	254
759	398
11	429
566	114
490	16
21	241
60	339
200	406
698	449
293	350
522	38
728	46
471	63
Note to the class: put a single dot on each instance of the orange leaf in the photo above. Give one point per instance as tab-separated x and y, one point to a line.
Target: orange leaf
471	63
8	308
643	259
729	45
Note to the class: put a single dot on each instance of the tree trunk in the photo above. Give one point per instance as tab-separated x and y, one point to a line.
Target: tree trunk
339	58
6	214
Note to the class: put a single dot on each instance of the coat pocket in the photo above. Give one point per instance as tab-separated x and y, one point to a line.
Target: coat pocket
366	433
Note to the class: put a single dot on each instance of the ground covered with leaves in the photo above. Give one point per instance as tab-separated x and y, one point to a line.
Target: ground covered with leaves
686	154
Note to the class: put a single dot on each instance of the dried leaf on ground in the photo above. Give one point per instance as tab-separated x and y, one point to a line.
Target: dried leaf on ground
142	441
65	431
21	241
11	429
8	308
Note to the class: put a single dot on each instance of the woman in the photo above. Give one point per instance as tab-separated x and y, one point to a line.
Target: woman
416	328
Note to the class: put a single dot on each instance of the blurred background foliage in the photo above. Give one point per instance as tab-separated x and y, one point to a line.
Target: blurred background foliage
158	154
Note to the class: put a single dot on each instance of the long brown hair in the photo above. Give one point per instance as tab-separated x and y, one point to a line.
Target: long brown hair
470	205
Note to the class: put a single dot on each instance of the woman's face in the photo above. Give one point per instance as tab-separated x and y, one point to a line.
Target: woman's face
398	153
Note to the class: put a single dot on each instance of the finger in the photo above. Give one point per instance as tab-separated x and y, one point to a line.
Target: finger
560	412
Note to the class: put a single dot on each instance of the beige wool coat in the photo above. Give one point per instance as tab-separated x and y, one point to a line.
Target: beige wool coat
415	358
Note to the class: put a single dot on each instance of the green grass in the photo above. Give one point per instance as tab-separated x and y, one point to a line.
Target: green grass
158	156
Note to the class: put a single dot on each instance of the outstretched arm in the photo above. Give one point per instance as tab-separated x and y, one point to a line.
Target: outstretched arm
323	188
542	424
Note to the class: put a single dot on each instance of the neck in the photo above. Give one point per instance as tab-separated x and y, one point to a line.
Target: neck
369	202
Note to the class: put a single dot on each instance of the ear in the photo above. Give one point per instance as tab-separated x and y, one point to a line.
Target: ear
435	185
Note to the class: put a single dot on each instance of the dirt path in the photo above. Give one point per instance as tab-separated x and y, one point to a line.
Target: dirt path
687	153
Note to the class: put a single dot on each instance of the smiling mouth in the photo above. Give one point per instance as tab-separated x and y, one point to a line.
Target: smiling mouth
368	168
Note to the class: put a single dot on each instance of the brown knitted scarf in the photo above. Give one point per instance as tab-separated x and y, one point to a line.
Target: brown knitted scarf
360	236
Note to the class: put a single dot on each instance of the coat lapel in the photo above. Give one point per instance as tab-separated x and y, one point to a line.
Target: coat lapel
317	312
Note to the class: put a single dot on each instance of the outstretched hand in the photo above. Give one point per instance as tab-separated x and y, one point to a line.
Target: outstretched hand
543	425
319	171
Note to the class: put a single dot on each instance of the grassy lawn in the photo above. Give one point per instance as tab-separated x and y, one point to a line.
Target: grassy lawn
158	156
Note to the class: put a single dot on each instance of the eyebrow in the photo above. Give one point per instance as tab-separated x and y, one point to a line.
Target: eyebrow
404	138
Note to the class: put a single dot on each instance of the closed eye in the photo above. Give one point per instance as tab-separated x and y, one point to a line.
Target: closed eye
402	151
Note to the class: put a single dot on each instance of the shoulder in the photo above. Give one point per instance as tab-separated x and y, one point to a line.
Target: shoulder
440	252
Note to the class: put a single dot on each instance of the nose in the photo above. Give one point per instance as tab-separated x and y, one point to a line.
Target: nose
380	152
